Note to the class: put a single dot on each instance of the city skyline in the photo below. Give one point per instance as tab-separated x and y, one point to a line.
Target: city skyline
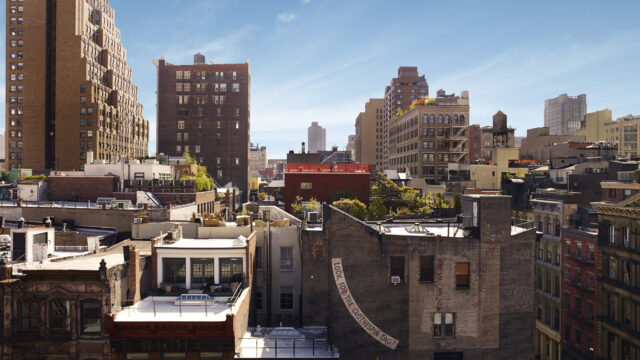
329	79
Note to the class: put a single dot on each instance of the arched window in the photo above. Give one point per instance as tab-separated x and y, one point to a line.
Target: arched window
91	313
455	119
432	119
440	119
425	119
446	119
462	120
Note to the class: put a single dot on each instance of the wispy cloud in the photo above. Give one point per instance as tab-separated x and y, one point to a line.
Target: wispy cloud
520	78
305	1
286	17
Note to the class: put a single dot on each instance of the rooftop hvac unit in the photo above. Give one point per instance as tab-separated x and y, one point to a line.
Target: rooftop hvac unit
395	280
137	220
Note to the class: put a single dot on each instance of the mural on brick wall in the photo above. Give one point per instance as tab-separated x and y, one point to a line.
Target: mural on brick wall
354	309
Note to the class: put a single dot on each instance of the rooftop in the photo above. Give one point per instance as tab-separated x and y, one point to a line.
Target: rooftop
306	343
238	243
170	308
112	256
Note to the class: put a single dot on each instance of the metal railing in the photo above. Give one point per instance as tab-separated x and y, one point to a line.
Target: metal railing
289	347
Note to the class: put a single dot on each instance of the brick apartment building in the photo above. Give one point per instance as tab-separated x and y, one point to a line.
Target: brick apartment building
579	294
619	271
69	87
400	93
423	291
425	139
203	109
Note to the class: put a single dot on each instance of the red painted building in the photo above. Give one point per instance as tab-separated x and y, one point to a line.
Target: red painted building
320	181
579	294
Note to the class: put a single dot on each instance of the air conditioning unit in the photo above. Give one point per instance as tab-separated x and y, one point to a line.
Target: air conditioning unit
395	280
137	220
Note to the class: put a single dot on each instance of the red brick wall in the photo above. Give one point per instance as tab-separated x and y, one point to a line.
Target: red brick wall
62	188
322	185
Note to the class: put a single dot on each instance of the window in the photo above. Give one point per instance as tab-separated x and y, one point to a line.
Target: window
178	75
174	270
286	258
306	186
197	148
91	317
567	248
235	76
589	314
625	236
567	300
231	270
181	124
59	316
235	87
443	325
590	254
202	271
612	193
396	266
426	268
462	275
612	234
612	268
578	250
286	298
258	260
178	149
567	331
578	334
27	322
590	280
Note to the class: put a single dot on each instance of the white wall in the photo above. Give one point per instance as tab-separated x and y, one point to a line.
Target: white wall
150	171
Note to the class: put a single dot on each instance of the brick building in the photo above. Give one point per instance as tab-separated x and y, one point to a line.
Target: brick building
69	87
203	109
618	276
579	294
475	138
323	181
423	140
423	291
400	93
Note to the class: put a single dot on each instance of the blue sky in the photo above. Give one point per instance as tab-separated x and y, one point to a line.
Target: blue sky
320	60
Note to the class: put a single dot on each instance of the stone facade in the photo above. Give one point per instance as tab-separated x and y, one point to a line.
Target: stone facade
538	144
563	115
493	316
369	133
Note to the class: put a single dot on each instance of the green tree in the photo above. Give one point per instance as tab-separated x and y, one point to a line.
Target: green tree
296	207
312	205
377	209
353	207
457	201
204	181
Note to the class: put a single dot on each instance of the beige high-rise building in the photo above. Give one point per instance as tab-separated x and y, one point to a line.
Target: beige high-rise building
369	133
257	160
594	126
69	88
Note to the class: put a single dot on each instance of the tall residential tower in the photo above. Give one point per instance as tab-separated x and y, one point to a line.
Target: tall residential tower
317	138
69	88
564	114
203	109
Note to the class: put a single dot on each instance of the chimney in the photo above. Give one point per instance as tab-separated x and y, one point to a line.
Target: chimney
302	152
1	222
20	223
154	261
334	148
134	275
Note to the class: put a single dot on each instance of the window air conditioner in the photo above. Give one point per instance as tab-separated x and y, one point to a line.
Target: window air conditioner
395	280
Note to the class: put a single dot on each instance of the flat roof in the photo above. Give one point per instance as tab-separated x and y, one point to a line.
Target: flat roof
434	229
238	243
163	309
112	256
306	343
